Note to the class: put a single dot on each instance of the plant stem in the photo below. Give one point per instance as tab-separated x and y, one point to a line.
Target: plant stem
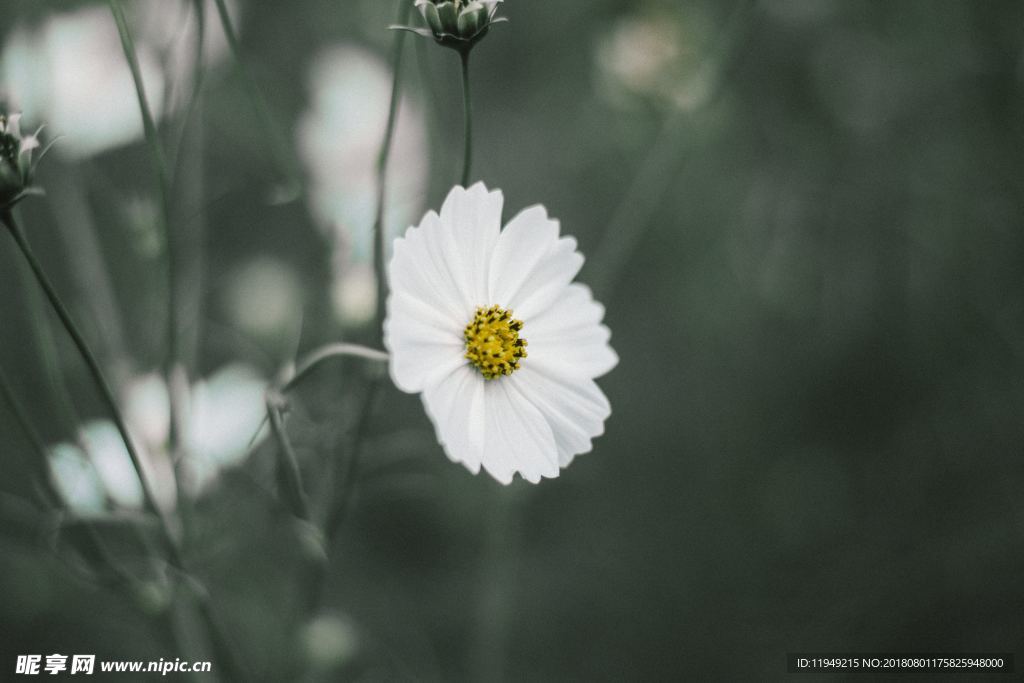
467	160
288	474
325	353
90	360
339	505
91	544
279	146
159	162
497	586
174	557
379	236
44	341
312	362
342	504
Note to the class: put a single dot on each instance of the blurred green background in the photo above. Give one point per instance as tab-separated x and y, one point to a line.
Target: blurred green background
803	216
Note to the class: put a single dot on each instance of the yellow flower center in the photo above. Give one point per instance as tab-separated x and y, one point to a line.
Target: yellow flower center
493	343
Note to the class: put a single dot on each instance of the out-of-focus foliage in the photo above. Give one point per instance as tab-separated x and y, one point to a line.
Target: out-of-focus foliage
804	217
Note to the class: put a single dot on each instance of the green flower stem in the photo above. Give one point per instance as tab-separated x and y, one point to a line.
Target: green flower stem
342	504
90	360
187	188
325	353
279	145
160	169
45	342
309	364
380	238
289	476
437	182
467	160
224	654
496	596
92	547
91	544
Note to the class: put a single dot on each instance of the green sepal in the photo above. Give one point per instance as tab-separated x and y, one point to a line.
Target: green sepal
425	32
449	17
430	13
471	22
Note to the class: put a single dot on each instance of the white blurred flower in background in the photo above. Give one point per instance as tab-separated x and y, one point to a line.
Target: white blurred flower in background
77	479
71	72
263	298
339	139
224	412
659	56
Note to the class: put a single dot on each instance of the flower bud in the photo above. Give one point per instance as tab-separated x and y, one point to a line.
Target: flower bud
458	24
16	165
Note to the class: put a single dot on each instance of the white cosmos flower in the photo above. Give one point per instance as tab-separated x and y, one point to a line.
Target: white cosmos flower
488	326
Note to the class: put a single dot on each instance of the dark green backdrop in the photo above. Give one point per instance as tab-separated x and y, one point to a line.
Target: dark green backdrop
813	275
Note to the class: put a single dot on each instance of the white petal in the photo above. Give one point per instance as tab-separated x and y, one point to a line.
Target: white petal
416	357
419	270
536	421
518	438
569	334
531	266
471	222
419	354
575	408
492	7
492	424
14	125
457	408
28	144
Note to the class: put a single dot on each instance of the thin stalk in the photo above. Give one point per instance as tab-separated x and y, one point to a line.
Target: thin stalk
48	350
329	352
90	360
339	505
279	146
467	103
434	126
380	238
174	557
148	123
187	190
92	545
288	475
159	161
312	362
497	586
198	79
343	502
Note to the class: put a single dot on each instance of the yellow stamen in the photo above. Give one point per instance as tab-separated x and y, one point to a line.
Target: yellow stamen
493	343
